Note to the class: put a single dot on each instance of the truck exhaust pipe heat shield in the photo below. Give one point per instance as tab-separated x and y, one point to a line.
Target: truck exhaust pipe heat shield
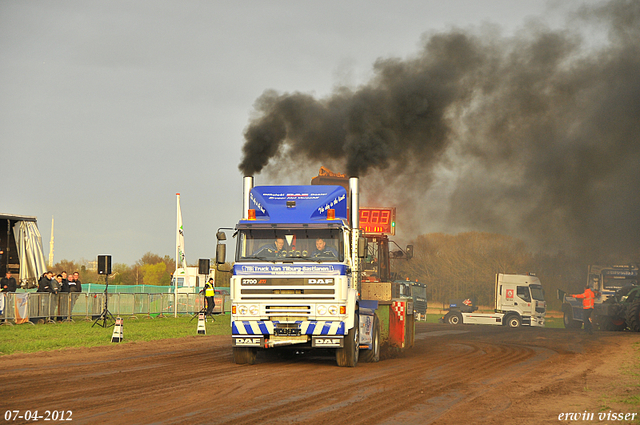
247	185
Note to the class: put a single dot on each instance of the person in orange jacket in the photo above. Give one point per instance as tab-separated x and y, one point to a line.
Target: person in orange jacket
588	300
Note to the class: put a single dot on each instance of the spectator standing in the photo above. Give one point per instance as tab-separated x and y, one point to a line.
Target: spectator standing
45	282
63	298
8	283
74	287
54	289
64	285
74	283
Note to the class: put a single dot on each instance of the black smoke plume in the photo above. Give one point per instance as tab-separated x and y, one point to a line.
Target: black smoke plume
535	135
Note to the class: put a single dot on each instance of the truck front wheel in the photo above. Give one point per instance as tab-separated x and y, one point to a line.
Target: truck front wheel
513	321
606	323
633	316
348	355
244	355
453	318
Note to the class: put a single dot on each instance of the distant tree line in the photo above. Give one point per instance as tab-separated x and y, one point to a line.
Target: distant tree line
465	265
151	269
452	267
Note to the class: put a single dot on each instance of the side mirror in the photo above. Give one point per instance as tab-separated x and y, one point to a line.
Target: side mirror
221	236
362	247
221	253
409	252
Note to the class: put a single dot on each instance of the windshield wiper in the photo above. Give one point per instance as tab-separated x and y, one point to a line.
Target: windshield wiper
256	258
321	259
315	260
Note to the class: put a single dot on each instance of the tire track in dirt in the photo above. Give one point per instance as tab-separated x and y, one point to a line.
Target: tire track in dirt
194	380
381	378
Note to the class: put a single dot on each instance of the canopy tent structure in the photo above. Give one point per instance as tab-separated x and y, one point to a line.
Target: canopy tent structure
21	242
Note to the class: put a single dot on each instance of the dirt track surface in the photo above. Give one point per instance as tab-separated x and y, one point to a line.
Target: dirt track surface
453	375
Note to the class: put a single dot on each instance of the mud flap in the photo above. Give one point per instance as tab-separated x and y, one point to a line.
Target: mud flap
327	341
248	341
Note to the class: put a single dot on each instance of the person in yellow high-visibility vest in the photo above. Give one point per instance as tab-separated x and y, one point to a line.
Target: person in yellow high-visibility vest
209	294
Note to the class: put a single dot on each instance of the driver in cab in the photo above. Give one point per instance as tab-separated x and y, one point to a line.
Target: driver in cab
275	249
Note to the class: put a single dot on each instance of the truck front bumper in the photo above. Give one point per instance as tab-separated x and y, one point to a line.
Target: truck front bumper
537	321
265	327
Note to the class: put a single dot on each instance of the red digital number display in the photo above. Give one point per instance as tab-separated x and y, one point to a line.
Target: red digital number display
378	220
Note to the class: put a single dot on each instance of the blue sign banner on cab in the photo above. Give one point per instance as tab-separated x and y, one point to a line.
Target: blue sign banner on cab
297	204
289	269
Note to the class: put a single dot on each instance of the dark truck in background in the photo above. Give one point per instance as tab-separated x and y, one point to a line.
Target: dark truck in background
617	302
415	290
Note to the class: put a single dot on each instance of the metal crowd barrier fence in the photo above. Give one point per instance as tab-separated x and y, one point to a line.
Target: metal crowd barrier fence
38	306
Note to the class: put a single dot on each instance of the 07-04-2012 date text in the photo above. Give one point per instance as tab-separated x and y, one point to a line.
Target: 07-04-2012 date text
34	415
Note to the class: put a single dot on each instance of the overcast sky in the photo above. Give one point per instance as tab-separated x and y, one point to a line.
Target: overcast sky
109	108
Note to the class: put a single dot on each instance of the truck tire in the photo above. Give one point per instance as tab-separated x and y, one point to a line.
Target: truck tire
606	323
633	316
513	321
569	323
373	355
347	356
244	355
453	318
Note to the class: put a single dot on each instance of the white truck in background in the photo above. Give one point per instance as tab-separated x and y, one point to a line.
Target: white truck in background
519	300
189	280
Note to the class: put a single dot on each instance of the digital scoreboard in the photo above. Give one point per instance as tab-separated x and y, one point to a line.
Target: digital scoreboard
378	220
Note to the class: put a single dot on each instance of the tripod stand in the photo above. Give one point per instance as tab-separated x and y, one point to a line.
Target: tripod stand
106	314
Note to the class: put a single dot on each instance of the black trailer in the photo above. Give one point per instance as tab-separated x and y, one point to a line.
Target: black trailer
21	246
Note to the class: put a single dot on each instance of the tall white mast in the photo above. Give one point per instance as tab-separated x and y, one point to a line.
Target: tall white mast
51	246
180	258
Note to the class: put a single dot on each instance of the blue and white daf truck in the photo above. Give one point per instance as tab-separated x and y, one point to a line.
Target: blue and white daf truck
296	280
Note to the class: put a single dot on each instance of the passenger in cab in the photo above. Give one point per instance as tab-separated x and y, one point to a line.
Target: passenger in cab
324	251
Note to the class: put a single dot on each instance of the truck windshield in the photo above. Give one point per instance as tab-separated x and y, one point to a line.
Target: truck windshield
318	245
419	291
615	283
537	292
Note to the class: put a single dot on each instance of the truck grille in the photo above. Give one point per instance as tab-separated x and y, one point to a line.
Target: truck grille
288	313
287	294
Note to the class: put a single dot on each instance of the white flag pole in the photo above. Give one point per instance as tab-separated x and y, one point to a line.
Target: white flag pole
178	259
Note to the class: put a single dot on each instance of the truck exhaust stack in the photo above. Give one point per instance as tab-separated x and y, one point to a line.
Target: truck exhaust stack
247	183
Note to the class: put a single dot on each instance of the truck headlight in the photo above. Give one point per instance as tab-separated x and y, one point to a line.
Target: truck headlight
333	310
322	310
243	310
254	310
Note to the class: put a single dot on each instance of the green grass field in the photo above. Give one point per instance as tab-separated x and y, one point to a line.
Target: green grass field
28	338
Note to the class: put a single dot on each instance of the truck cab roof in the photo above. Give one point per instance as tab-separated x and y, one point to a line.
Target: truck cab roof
302	204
